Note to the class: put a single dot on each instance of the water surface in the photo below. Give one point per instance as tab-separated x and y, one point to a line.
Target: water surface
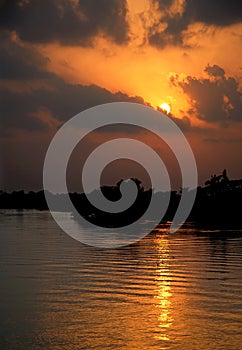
168	291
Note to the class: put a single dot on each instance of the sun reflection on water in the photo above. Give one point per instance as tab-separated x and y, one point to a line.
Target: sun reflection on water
163	296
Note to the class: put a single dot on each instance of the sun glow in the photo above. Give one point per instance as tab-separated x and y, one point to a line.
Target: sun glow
165	107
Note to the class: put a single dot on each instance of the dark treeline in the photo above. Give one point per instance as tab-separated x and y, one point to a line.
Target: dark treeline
218	203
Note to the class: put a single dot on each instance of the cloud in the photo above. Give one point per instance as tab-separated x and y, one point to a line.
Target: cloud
63	101
215	71
17	112
66	99
216	98
19	62
54	97
176	16
218	13
65	21
223	140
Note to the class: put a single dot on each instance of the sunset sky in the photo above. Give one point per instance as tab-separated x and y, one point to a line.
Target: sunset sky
59	57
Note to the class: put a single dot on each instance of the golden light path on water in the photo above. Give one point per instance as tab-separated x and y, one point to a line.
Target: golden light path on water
163	297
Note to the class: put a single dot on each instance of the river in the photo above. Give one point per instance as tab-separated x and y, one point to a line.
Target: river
167	291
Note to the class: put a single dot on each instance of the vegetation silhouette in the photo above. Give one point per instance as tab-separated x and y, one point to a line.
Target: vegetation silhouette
218	204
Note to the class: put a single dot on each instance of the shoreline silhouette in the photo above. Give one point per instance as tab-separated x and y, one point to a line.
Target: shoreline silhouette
218	204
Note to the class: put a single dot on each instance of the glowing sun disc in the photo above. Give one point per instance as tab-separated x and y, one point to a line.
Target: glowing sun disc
165	107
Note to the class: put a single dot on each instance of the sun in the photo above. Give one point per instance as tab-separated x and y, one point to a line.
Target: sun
165	107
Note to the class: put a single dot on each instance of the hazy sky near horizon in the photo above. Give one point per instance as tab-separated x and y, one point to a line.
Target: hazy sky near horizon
58	58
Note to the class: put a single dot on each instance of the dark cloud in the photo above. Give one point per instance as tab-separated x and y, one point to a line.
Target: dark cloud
65	21
215	71
19	110
67	99
63	102
172	35
217	13
19	62
223	140
184	123
214	99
